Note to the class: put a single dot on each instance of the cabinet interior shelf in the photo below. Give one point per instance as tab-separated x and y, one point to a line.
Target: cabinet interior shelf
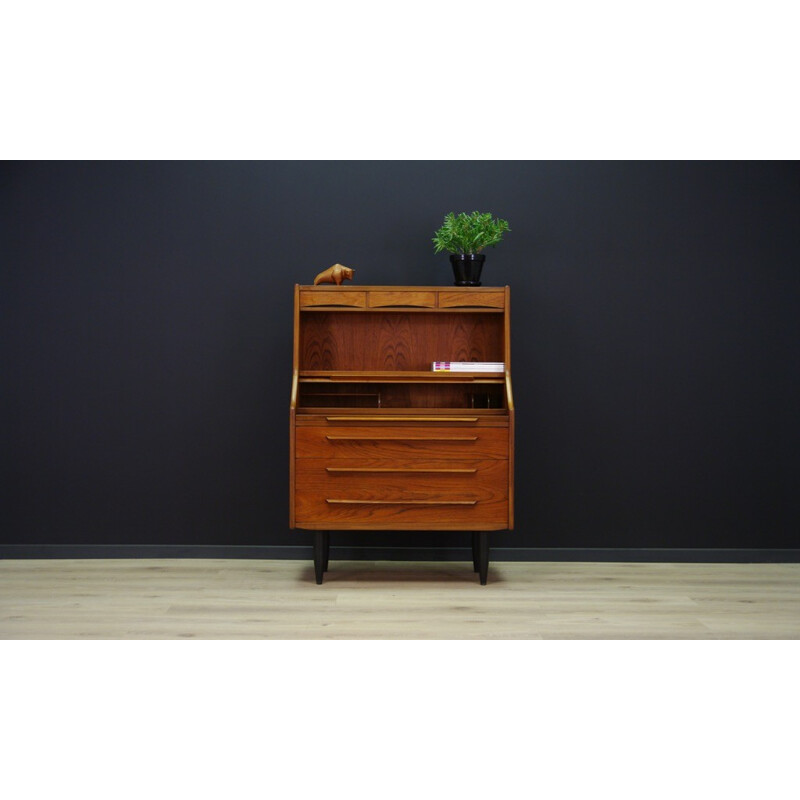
412	412
401	309
398	376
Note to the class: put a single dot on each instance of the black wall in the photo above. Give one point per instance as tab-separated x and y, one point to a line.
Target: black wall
146	342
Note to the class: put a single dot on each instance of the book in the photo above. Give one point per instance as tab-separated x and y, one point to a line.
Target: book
468	366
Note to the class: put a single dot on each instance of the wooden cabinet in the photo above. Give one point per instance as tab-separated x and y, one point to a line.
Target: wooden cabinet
378	441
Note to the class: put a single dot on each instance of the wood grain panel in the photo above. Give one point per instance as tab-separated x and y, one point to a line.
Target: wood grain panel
341	442
465	298
397	341
405	479
402	298
393	342
488	516
441	500
333	298
377	445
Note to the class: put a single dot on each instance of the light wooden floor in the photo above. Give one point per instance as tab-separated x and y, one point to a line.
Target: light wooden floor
248	599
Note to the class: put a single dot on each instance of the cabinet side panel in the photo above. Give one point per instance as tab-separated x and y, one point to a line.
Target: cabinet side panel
510	405
293	403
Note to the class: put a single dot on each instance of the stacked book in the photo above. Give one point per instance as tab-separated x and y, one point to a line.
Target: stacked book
468	366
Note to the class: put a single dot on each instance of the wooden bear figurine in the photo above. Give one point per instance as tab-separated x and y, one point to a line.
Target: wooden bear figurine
335	274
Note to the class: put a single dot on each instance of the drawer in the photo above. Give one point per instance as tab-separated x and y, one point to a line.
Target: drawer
402	494
334	442
401	299
471	299
331	298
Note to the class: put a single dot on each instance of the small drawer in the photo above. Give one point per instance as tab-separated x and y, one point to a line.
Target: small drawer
332	298
402	299
440	442
467	298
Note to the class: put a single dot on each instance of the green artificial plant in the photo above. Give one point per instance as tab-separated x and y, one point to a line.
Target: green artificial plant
469	233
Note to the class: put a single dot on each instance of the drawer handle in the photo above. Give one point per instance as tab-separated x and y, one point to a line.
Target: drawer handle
405	502
475	305
405	305
410	418
402	438
390	469
330	305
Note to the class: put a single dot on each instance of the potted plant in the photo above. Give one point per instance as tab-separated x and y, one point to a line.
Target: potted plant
464	236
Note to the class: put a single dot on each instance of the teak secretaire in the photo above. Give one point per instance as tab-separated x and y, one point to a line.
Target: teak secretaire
378	440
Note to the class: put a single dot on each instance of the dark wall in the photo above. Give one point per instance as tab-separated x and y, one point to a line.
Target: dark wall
146	342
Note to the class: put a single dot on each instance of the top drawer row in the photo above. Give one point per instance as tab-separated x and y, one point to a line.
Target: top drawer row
383	299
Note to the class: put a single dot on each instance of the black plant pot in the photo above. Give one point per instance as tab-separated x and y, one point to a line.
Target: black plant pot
467	268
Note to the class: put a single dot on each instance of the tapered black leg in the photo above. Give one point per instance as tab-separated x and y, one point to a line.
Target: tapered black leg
319	554
483	556
327	550
475	551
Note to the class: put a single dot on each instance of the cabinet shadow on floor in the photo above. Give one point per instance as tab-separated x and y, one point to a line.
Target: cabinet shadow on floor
366	572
